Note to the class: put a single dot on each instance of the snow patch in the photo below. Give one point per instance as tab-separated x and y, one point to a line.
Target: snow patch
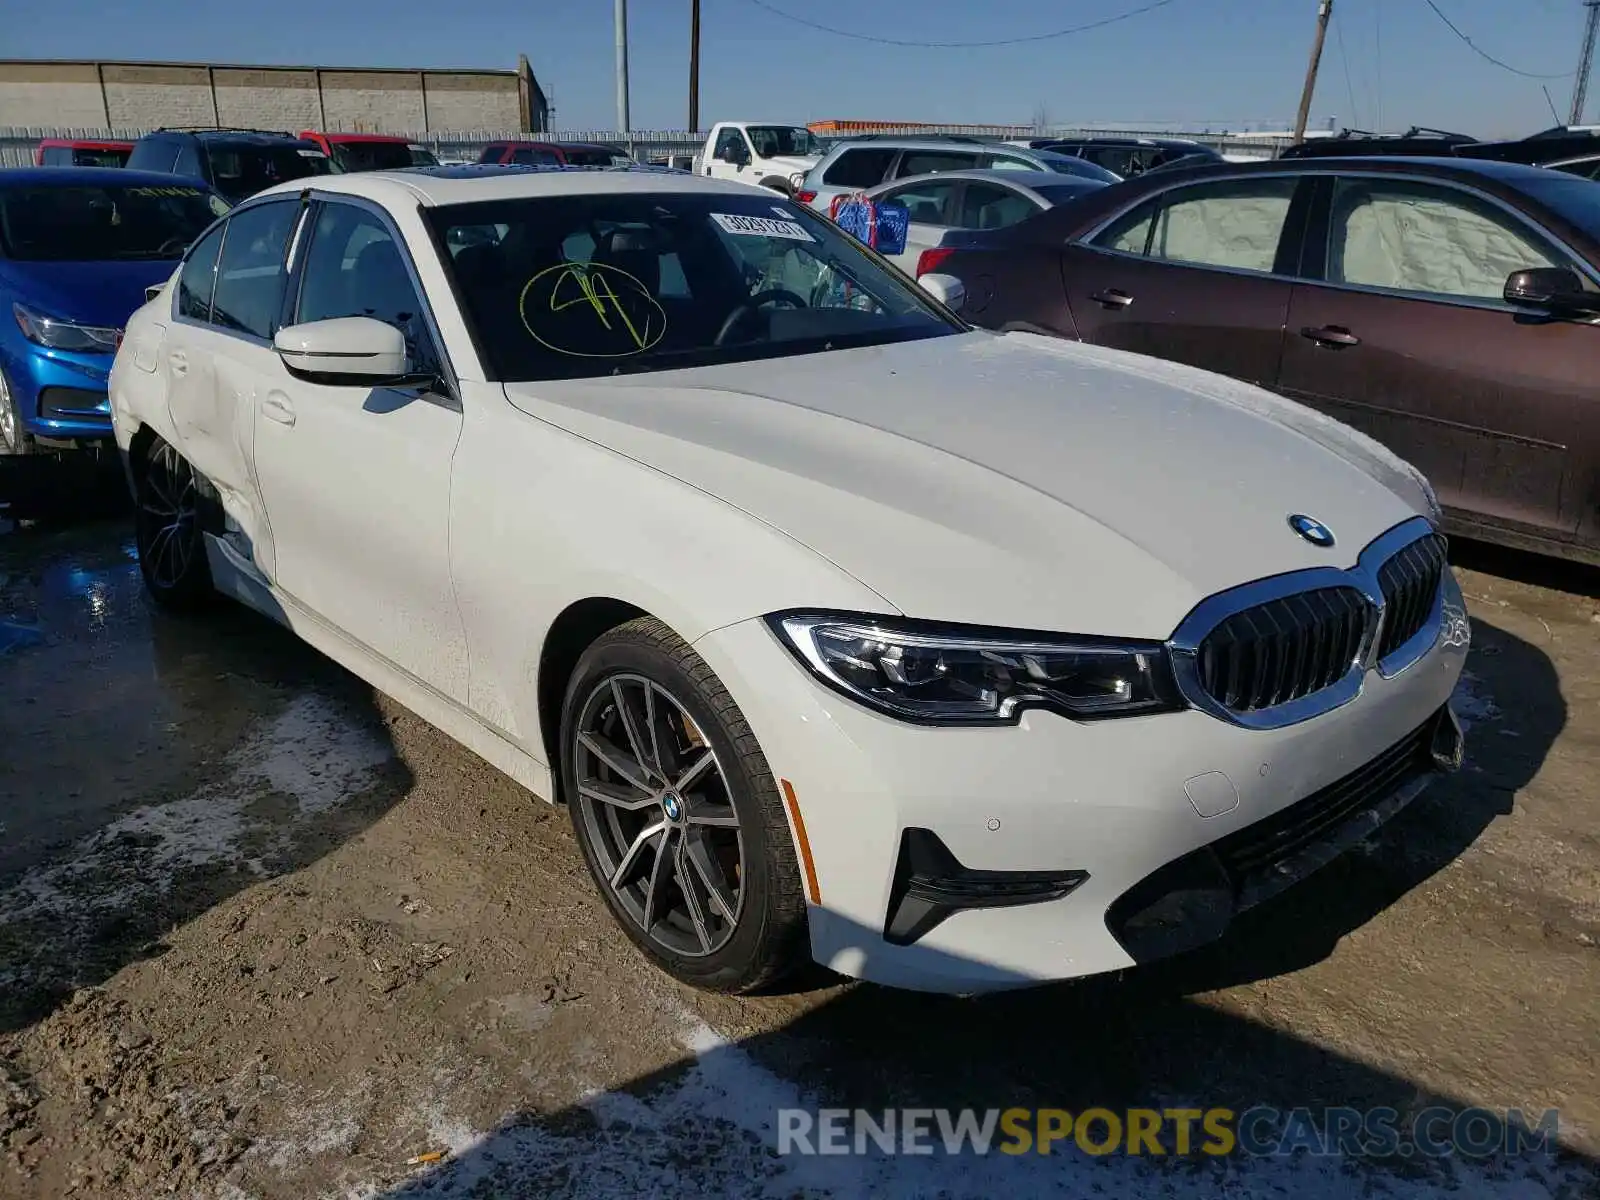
311	753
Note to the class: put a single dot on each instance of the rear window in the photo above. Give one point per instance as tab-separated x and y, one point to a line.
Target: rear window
588	158
859	168
372	156
99	157
241	169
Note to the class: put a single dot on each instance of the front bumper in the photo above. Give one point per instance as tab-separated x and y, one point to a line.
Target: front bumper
61	396
1118	803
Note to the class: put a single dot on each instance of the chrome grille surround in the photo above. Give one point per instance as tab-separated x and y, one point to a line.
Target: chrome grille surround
1411	548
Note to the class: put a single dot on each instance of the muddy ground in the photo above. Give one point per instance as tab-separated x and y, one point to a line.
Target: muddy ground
265	934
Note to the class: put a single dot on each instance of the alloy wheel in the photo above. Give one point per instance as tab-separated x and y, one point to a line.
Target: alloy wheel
167	515
8	416
659	814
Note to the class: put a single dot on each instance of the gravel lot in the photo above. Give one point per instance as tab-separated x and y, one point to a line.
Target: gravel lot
265	934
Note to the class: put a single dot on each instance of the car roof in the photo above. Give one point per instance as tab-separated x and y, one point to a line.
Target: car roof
353	137
86	143
934	142
97	176
1452	168
432	186
541	143
242	137
1025	180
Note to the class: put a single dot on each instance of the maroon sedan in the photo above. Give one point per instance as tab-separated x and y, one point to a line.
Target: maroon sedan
1446	307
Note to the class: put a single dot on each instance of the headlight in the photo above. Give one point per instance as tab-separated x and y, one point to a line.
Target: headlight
64	335
968	676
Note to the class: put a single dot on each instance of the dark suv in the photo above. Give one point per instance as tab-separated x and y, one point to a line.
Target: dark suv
236	162
1128	157
552	154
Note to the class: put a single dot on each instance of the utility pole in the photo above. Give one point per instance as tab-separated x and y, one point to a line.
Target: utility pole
623	123
1580	89
1324	11
694	66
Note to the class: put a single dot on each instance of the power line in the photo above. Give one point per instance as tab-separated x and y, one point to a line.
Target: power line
1014	41
1484	54
1349	87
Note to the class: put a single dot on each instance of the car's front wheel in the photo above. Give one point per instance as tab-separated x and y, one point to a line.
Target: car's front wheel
172	553
678	814
14	439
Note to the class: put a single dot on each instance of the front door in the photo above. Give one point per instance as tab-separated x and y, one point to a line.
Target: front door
356	478
1408	339
1196	274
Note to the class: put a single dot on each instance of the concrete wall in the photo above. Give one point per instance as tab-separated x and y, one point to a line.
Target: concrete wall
148	95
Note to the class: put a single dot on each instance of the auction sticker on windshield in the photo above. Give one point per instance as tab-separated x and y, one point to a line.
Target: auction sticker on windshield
761	227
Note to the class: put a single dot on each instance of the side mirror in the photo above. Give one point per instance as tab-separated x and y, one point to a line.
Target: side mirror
344	350
1552	289
153	290
736	154
946	289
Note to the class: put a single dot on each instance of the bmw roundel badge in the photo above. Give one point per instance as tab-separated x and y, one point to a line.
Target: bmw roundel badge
1313	530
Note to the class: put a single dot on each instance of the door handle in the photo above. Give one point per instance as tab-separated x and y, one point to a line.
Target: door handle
277	408
178	362
1112	298
1335	337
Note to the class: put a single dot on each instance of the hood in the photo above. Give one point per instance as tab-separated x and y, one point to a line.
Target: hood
89	293
794	162
1006	480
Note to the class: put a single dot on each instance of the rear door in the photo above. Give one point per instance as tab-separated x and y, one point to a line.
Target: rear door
1405	335
1198	274
219	355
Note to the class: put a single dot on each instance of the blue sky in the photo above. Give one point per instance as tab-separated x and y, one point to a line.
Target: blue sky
1193	60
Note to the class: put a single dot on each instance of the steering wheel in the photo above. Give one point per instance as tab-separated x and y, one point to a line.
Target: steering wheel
748	309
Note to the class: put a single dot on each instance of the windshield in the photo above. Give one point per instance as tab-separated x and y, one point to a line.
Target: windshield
562	287
240	171
374	156
421	156
584	156
104	223
1065	164
1573	198
773	141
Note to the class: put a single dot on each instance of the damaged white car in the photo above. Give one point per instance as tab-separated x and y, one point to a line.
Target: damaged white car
952	660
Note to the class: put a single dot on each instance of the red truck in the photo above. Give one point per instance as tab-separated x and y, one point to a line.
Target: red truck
565	154
351	152
82	152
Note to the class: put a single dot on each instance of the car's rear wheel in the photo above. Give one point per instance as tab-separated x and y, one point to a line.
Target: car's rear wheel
678	814
172	553
13	438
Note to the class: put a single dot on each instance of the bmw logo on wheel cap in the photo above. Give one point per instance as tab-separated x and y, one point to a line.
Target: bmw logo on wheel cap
1313	530
673	806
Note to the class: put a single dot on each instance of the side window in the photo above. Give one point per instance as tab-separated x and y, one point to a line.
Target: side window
250	274
926	162
927	203
728	139
189	163
56	156
1427	239
1230	223
1585	168
862	167
1119	160
989	206
355	269
530	157
197	277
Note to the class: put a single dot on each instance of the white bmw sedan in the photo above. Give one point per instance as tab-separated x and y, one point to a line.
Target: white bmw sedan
953	660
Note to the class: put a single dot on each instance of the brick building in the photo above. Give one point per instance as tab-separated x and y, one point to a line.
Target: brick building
143	95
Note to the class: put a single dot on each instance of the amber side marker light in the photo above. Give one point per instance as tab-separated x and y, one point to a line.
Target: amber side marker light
807	864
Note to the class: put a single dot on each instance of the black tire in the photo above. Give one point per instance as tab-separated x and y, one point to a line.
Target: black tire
13	438
166	523
778	185
768	938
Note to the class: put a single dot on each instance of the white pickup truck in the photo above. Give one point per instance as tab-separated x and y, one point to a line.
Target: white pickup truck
772	155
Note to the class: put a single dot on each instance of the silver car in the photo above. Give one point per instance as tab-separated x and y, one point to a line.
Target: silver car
950	200
859	163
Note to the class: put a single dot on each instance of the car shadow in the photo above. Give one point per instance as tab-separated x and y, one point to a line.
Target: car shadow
1148	1037
1522	566
155	764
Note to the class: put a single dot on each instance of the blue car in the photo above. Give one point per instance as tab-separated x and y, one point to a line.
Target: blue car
78	247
